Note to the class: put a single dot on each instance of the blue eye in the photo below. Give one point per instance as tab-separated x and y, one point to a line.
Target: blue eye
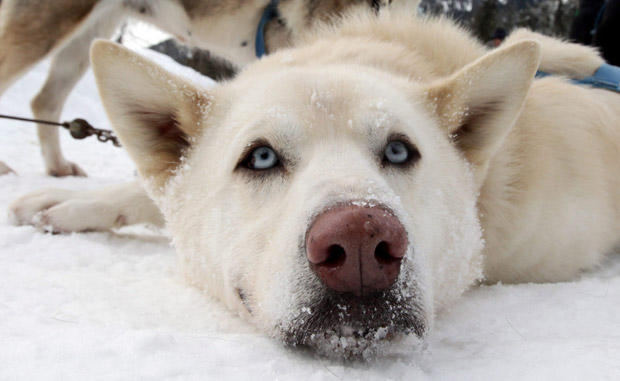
397	152
262	158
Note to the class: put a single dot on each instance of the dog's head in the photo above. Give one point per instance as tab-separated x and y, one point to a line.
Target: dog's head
335	207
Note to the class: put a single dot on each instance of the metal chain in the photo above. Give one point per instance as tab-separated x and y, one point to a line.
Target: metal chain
78	128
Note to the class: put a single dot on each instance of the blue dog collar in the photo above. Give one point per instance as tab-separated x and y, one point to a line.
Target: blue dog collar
606	77
269	13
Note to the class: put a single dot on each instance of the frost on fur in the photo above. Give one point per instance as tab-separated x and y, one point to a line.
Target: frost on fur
328	109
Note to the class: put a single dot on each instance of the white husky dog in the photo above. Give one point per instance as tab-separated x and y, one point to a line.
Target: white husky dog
339	193
34	29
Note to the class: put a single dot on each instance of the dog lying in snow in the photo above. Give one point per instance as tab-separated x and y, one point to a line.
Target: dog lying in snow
339	193
32	30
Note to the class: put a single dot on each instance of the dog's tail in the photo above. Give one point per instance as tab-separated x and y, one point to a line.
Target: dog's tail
561	57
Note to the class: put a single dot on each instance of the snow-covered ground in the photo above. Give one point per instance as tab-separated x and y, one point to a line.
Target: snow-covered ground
110	305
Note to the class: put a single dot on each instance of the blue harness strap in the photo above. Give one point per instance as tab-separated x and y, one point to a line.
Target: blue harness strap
606	77
269	13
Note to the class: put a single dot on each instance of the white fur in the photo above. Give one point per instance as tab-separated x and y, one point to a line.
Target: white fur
530	167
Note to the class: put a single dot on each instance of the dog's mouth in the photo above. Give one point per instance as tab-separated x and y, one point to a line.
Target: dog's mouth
344	326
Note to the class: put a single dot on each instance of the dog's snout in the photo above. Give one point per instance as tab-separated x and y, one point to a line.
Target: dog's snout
356	249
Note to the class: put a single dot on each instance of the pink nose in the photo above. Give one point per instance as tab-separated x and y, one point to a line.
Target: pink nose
356	249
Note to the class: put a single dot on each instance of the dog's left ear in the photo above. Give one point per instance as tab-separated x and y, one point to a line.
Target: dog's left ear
478	105
155	113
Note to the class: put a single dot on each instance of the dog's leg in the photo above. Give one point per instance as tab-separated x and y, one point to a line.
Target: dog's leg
20	49
68	66
14	64
66	70
63	211
17	57
31	30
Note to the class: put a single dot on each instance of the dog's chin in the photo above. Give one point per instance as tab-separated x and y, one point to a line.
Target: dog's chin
347	327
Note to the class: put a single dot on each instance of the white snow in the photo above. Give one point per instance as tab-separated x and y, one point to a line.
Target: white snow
139	34
109	305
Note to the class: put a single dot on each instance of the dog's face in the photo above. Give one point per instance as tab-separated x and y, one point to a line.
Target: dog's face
301	148
330	206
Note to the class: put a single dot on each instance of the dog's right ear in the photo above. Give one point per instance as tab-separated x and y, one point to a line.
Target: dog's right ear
478	105
155	113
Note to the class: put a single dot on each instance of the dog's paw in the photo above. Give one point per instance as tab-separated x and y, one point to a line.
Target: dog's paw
63	211
5	169
64	168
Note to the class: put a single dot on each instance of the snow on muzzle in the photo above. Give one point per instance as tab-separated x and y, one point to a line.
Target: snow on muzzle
366	296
